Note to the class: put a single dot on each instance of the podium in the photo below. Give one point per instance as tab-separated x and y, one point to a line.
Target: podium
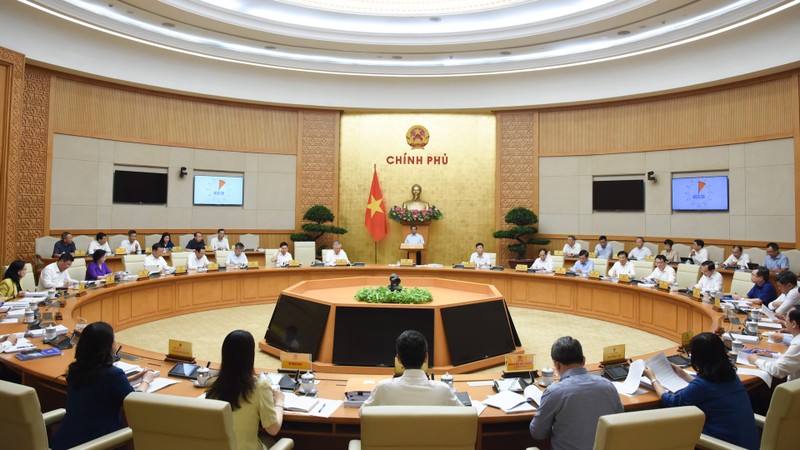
418	250
415	249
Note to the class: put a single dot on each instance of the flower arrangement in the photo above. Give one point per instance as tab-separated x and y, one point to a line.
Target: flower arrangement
382	294
404	215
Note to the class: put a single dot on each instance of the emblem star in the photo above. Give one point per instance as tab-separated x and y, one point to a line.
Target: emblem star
374	205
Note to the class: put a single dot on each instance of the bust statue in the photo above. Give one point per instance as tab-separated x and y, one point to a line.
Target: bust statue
415	202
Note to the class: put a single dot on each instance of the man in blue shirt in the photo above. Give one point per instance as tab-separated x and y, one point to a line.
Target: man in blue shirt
65	245
603	249
583	265
763	291
570	409
775	261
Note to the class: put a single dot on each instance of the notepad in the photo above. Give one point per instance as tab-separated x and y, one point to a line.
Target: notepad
299	403
509	402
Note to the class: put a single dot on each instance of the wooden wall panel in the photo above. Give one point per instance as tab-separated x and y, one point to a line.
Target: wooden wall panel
107	111
11	111
750	112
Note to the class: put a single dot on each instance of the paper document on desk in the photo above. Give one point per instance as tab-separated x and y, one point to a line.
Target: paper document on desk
479	406
60	329
161	383
11	320
747	339
533	393
770	325
768	312
632	381
767	378
299	403
129	369
741	358
326	408
35	293
509	402
662	369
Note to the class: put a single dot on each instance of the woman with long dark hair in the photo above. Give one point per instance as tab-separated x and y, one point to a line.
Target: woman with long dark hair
95	389
252	399
10	286
716	390
166	241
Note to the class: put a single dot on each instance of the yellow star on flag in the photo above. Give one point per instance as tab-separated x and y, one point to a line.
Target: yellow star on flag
374	205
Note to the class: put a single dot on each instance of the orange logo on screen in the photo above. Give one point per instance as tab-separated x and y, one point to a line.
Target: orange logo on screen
700	186
221	183
417	137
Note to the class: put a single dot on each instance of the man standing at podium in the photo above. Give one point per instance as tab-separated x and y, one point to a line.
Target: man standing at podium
415	238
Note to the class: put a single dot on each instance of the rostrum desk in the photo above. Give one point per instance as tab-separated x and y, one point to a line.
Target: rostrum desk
129	304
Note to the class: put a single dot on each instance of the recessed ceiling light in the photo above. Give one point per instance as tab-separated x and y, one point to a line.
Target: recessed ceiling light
623	33
506	53
397	57
168	24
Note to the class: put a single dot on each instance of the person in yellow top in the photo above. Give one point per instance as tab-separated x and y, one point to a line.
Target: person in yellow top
10	286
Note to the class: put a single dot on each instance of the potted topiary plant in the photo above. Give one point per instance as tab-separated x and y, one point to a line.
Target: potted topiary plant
522	220
316	216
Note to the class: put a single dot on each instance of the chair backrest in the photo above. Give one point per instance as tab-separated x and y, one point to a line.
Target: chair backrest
558	262
82	242
221	257
268	252
151	239
168	422
249	240
77	272
757	255
79	261
643	268
44	246
179	258
794	259
324	253
115	241
687	275
493	258
782	426
21	423
682	249
133	263
185	238
584	245
715	253
741	283
434	427
600	265
676	428
616	246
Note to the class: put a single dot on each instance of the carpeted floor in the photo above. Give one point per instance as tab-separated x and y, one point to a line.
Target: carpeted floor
537	330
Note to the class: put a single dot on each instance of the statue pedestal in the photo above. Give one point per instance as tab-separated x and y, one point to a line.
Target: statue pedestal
422	230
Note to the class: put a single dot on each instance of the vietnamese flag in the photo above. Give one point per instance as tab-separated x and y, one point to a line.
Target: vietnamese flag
375	217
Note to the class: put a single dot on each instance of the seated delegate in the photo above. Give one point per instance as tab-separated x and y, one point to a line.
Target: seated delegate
95	389
335	255
716	390
738	259
640	252
55	274
65	245
253	401
775	261
762	291
543	263
197	260
10	287
699	254
711	281
97	268
669	253
155	261
788	364
662	271
131	245
237	258
100	242
220	242
571	248
583	265
282	257
479	257
196	242
622	266
603	249
787	285
166	241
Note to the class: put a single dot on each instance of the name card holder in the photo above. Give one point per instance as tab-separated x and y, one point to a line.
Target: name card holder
650	258
407	262
521	268
295	361
80	252
561	271
252	264
177	249
143	274
208	248
110	280
148	251
686	337
469	265
341	262
697	294
294	263
81	289
592	255
180	270
663	285
623	278
519	363
558	253
213	266
717	305
120	251
180	351
613	354
594	274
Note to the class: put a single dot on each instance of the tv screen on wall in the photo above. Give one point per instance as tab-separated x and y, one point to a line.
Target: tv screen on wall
219	190
700	194
618	195
139	188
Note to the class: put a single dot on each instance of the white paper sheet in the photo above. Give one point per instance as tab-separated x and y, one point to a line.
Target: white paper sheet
479	406
768	312
509	402
662	369
618	385
325	407
770	325
756	372
161	383
635	371
741	358
479	383
745	338
534	393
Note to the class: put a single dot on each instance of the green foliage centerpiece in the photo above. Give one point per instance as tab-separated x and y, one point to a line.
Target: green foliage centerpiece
317	215
382	294
522	221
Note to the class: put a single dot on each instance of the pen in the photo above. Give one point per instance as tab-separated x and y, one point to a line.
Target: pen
321	408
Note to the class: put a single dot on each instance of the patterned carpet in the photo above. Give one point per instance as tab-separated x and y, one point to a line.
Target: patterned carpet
537	330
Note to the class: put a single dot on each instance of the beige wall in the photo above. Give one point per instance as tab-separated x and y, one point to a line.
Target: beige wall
463	189
81	189
761	186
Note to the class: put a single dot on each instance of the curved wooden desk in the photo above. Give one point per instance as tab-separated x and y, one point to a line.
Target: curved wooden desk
129	304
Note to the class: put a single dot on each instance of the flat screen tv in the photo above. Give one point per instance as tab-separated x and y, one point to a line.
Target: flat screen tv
217	190
297	325
477	331
700	194
618	195
366	336
139	188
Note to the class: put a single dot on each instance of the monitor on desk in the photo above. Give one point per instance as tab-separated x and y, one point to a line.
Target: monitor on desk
366	336
297	325
478	331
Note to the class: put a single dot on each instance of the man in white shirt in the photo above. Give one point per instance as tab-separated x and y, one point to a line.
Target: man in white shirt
336	254
699	254
640	252
415	238
787	286
571	248
543	262
131	245
156	260
413	387
663	272
711	281
479	258
55	274
737	259
237	258
603	249
100	242
220	242
282	257
622	266
197	260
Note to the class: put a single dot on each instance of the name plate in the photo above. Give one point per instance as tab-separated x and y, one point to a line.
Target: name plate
143	274
519	363
252	264
623	278
717	304
594	274
663	285
406	262
697	294
341	262
180	269
148	250
405	246
686	337
212	266
521	268
110	279
177	249
294	263
469	265
120	251
558	253
613	354
650	258
592	255
561	271
80	252
295	361
208	248
182	349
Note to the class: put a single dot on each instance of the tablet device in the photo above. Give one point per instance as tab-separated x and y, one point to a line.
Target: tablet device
61	341
184	370
616	373
679	360
463	397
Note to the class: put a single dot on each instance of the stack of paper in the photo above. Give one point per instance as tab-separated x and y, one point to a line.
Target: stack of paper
509	402
663	372
299	403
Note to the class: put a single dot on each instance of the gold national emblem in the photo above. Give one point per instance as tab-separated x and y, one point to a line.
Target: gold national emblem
417	137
